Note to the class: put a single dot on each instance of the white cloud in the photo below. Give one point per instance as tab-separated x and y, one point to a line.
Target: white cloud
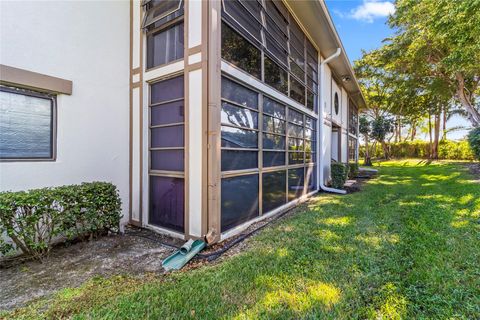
372	9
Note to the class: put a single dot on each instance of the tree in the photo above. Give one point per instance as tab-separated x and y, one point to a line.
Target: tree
438	41
381	127
365	129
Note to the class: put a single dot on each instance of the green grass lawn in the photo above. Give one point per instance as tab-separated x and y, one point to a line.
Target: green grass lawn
407	246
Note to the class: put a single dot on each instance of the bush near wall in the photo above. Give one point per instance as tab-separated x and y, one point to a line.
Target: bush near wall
353	170
447	149
339	173
34	219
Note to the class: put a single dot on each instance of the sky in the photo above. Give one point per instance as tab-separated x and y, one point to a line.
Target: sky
362	25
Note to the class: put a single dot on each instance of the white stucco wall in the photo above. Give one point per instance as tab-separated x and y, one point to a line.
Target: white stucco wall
328	92
87	43
337	117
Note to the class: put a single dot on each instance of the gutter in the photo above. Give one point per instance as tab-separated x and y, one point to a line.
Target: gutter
320	178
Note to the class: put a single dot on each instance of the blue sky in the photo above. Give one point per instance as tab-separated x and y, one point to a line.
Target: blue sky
361	25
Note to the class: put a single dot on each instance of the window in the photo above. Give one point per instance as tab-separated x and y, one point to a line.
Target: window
166	171
239	200
264	141
256	30
240	52
163	23
335	103
352	119
352	149
27	125
274	190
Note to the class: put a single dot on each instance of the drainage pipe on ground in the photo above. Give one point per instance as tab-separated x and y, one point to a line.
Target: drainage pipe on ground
320	137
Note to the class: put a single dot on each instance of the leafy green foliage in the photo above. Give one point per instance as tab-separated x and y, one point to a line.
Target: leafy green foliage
353	170
34	219
448	150
339	174
474	141
381	126
364	126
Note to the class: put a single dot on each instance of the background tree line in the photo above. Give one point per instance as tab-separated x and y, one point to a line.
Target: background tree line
423	75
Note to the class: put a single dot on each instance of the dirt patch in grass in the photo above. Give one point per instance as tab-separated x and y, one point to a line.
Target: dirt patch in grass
70	266
474	169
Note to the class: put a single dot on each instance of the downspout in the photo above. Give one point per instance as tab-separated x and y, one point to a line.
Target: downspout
320	178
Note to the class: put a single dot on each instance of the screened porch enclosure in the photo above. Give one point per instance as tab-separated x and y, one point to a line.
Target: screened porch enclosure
268	141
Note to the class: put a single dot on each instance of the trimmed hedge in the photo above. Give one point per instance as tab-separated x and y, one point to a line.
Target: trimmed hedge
34	219
339	174
474	141
447	149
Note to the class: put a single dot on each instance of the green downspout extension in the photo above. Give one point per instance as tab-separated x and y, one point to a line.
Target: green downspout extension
180	257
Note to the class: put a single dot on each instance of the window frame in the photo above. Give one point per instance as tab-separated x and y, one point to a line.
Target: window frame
53	123
150	31
264	45
261	169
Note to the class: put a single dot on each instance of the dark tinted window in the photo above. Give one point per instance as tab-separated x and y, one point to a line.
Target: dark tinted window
239	138
274	190
295	144
273	159
167	160
309	134
336	103
167	113
239	116
238	51
167	203
295	117
167	137
239	160
295	131
237	93
295	183
167	90
273	108
239	200
161	11
165	46
295	158
271	141
164	25
245	16
273	125
276	76
311	176
297	91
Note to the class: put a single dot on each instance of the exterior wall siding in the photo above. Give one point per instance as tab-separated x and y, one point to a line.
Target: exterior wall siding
62	39
104	126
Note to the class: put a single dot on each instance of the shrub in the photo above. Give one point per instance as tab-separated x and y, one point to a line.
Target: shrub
447	149
474	141
353	170
339	174
34	219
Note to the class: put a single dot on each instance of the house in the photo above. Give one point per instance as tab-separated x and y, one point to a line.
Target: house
207	115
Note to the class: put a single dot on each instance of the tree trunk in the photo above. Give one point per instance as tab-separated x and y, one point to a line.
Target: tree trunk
368	160
444	135
430	134
386	154
436	135
473	114
414	130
